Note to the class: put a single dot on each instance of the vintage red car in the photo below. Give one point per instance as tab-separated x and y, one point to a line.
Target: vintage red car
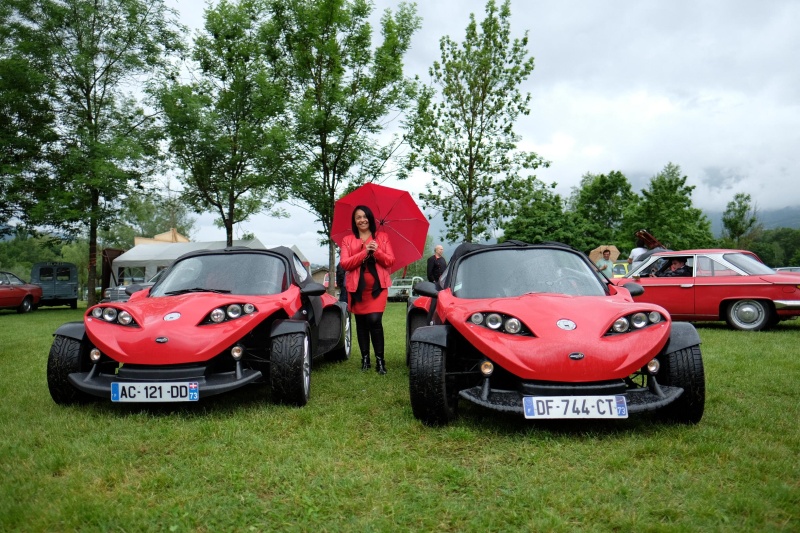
535	330
216	321
718	284
17	294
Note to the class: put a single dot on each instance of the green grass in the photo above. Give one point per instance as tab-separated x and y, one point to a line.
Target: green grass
356	459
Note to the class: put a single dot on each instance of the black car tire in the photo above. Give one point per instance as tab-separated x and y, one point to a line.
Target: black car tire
64	359
749	315
290	369
73	304
26	306
343	353
434	398
684	368
414	320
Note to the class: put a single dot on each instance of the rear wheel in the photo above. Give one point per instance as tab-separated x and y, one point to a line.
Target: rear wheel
290	369
64	359
684	368
749	315
26	305
434	397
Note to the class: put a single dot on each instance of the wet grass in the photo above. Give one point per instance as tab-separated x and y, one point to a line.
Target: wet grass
356	459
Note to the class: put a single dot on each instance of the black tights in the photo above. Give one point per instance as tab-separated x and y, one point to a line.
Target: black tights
370	325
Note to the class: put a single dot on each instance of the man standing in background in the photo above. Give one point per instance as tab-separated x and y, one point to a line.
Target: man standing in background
436	265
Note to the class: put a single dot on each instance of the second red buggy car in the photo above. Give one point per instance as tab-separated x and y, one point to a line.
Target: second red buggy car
534	330
216	321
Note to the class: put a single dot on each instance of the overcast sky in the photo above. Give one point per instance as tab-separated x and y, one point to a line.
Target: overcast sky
631	86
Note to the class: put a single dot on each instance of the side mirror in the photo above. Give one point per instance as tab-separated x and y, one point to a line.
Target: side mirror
313	289
634	288
426	288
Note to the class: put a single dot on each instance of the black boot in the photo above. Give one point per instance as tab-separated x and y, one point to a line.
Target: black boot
380	364
365	362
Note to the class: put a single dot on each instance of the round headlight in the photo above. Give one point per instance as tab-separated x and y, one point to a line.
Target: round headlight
97	312
513	325
95	355
237	352
494	321
487	368
639	320
234	311
217	315
476	318
620	325
124	318
653	366
654	316
249	309
109	314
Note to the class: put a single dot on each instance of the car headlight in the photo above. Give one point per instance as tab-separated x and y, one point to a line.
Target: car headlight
229	312
634	322
499	322
217	315
621	325
109	314
494	321
512	325
113	315
124	318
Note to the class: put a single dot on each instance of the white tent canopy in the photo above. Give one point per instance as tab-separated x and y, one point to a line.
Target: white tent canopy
154	257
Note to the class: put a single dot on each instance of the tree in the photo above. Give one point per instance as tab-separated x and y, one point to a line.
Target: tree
740	222
107	143
540	216
600	203
466	138
343	90
225	128
666	210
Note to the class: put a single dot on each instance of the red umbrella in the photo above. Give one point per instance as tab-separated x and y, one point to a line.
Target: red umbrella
396	214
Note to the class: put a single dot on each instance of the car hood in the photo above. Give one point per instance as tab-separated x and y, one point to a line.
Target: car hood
568	341
169	328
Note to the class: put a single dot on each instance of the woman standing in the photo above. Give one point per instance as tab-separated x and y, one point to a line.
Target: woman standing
367	257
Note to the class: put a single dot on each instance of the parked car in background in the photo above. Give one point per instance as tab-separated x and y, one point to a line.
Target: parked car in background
730	285
59	283
535	330
120	293
18	294
792	270
402	288
218	320
620	269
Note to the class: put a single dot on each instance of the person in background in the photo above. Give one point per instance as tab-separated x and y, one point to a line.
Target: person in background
367	257
677	267
636	252
605	265
436	265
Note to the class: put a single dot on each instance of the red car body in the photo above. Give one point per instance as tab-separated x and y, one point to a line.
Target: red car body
721	284
18	294
517	324
216	321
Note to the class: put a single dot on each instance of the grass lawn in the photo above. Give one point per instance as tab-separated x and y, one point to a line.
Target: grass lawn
355	459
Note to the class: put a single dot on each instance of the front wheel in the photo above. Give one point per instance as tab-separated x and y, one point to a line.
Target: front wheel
64	359
290	369
434	397
749	315
684	368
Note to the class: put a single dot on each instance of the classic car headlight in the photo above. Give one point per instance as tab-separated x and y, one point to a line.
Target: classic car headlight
97	312
109	314
124	318
113	316
634	321
499	322
229	312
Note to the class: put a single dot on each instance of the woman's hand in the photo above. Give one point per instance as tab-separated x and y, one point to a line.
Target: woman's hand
372	246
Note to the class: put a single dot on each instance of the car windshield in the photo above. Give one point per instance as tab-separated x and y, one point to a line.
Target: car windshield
748	263
256	274
497	273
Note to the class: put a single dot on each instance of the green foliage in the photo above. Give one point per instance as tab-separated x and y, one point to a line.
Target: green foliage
539	215
343	90
740	222
226	128
666	211
778	247
464	135
600	203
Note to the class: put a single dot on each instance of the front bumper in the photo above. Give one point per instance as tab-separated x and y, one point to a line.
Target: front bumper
639	400
99	384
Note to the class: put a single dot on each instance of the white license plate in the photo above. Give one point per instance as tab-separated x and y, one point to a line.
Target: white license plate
575	406
155	392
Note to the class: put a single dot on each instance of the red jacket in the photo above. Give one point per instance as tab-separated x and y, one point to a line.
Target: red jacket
354	251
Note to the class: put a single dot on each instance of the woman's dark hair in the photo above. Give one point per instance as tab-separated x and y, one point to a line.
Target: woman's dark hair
640	243
368	212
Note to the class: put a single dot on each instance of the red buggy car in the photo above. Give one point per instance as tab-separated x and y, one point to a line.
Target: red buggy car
216	321
534	330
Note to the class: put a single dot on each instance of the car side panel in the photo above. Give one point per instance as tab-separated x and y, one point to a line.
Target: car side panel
677	295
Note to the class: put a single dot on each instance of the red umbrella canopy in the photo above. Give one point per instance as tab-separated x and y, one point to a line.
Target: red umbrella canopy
396	214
